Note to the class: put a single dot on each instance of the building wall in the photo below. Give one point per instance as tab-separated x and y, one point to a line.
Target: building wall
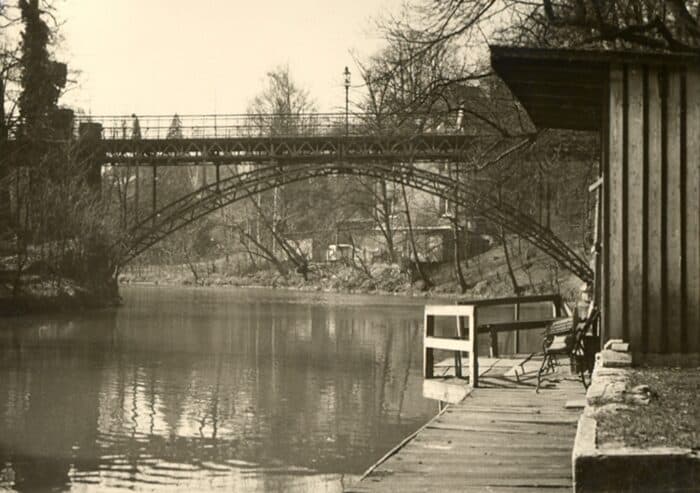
651	220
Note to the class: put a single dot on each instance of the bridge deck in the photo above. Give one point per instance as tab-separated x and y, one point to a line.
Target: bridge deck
263	149
503	437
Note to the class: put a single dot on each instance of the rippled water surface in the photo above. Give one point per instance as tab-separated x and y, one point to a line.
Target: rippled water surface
195	389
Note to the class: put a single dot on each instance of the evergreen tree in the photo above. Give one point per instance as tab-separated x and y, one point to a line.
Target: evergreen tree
175	129
42	78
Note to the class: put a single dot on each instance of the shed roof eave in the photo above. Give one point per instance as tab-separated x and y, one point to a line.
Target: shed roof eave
573	55
565	88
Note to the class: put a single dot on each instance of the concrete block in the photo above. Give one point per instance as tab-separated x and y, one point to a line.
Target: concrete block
627	470
609	344
614	468
614	359
620	347
575	404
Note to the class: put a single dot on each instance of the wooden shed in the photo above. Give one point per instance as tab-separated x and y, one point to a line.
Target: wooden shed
647	109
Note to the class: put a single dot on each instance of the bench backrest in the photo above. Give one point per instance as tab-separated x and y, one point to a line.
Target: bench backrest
561	326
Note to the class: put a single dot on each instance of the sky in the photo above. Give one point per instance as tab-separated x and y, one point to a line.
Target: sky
211	56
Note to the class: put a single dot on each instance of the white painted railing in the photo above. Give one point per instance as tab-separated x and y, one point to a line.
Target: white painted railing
457	343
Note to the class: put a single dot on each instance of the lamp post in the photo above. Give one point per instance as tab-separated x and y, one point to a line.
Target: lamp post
346	73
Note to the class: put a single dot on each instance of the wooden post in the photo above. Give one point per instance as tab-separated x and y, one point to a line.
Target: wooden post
458	354
597	188
692	214
493	335
616	254
654	267
673	308
634	203
428	331
473	346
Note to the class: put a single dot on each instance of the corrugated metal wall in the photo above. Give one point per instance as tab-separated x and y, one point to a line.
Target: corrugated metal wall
651	250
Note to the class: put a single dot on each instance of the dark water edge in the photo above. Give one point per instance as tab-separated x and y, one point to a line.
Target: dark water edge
28	305
83	300
40	294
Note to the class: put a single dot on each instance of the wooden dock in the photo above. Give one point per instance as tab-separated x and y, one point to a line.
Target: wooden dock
502	437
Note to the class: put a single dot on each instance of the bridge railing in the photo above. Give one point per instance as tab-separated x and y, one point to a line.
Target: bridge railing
269	125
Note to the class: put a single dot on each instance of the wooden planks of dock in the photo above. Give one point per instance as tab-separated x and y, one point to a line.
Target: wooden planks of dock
503	437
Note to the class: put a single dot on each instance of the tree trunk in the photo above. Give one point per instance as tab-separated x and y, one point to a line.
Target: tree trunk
548	195
458	239
427	283
300	261
265	252
250	254
511	273
193	269
458	257
386	219
5	214
355	259
3	125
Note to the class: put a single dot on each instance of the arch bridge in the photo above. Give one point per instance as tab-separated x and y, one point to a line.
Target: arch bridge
288	148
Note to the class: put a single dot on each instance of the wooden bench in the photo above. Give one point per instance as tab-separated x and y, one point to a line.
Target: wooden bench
565	337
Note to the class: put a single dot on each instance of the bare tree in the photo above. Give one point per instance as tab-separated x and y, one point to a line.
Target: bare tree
379	203
418	266
667	25
281	108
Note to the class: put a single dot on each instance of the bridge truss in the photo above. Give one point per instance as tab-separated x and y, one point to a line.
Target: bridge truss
236	150
251	138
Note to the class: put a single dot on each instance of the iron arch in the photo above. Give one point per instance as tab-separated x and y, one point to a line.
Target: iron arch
212	197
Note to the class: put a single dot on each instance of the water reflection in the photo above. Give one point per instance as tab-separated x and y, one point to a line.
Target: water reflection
196	389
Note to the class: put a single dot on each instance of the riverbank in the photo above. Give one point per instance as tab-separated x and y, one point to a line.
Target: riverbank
39	294
487	275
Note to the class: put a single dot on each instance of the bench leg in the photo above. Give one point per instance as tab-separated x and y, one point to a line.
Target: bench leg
522	366
546	361
458	364
494	343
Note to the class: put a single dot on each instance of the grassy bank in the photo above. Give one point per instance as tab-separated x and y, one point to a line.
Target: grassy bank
671	417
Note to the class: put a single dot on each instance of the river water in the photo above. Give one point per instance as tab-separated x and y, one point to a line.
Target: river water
198	389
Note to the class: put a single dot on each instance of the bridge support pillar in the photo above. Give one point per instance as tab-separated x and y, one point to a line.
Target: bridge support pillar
90	154
154	192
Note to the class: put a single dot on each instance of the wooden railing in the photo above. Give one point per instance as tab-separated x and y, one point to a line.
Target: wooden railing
464	340
558	309
456	344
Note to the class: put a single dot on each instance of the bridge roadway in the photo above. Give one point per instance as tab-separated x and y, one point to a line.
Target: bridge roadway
233	139
235	150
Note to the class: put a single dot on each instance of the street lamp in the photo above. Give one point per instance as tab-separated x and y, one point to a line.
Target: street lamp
347	88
